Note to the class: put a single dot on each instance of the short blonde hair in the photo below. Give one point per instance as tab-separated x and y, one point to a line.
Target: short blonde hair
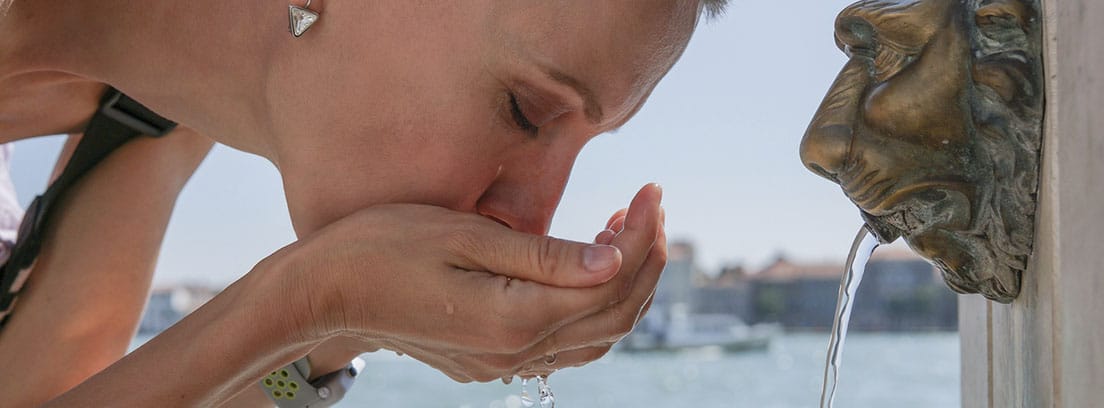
711	8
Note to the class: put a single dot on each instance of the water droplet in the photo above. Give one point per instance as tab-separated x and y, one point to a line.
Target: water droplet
544	391
526	400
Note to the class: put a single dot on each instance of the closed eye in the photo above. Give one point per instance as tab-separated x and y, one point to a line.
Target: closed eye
520	120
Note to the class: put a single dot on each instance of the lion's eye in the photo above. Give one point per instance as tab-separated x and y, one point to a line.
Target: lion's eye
890	60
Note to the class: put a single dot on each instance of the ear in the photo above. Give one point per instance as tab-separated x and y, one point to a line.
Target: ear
1007	65
1004	14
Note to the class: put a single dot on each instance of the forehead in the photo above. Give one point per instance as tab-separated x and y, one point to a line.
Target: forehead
907	23
619	49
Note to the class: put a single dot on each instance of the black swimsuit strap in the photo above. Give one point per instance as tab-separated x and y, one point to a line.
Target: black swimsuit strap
118	120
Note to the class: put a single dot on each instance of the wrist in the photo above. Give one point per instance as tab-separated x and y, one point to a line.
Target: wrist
290	296
334	354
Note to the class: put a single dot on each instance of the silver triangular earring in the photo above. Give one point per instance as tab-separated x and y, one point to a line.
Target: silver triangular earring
301	18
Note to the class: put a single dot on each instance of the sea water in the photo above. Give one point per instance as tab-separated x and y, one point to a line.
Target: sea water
900	370
861	249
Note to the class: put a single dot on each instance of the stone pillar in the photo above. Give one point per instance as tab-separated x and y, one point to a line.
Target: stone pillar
1046	349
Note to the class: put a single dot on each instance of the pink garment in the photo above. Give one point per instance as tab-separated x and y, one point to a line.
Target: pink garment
11	213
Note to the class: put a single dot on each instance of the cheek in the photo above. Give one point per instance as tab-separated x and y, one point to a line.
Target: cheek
439	143
925	103
916	112
454	173
446	158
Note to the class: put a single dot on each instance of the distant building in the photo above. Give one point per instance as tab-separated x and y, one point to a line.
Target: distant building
725	293
900	292
676	283
170	304
796	295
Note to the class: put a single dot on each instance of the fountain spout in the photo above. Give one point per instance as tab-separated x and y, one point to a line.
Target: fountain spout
933	129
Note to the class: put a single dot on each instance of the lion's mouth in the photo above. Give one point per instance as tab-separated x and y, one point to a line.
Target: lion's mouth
881	192
898	198
893	207
868	188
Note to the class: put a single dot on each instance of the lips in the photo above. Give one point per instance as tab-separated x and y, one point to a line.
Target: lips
872	193
889	204
879	194
866	187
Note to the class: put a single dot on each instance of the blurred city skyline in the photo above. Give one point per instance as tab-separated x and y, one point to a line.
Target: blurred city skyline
720	133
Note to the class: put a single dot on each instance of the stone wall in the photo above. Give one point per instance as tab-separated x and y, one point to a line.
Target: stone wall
1047	348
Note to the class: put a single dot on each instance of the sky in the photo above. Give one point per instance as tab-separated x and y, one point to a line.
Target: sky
720	134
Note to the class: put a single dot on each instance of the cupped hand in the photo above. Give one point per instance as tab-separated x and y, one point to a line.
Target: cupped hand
471	297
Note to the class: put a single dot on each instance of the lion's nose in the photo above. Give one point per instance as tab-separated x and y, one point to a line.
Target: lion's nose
827	143
824	150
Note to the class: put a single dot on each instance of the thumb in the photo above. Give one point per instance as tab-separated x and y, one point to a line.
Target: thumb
543	259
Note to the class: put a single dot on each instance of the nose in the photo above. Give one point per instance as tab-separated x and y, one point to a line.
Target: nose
824	150
527	191
827	142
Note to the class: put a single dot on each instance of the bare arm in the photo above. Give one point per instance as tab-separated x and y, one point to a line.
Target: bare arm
404	277
212	354
85	296
82	302
408	278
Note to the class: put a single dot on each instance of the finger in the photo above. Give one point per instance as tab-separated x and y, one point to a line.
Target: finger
617	225
613	323
635	242
647	306
639	234
529	312
542	259
605	237
617	215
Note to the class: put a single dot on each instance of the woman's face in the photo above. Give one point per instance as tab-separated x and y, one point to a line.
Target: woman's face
478	106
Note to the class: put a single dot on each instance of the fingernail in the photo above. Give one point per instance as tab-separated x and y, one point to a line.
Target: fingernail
598	258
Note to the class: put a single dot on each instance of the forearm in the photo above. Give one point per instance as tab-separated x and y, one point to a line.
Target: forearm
220	349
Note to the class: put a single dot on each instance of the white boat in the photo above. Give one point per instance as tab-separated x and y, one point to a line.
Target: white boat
677	329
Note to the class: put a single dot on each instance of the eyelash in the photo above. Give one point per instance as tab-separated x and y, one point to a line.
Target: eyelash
520	120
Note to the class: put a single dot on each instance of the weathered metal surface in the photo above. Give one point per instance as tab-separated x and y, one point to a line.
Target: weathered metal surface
933	129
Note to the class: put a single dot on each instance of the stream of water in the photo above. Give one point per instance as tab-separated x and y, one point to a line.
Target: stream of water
861	249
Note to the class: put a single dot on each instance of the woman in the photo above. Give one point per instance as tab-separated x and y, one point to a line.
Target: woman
469	114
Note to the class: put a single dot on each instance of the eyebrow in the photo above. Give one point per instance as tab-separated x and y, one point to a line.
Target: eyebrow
591	108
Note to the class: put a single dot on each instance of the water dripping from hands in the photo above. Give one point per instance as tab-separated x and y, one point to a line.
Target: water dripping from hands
526	400
545	398
544	393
